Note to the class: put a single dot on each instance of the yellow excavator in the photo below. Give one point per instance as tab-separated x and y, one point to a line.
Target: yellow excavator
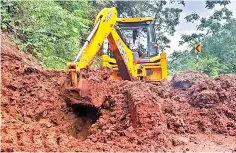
129	48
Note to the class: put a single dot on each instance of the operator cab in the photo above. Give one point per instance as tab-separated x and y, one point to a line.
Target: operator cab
139	35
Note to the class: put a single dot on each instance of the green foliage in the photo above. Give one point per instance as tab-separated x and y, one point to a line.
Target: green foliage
179	61
192	17
214	23
218	37
218	55
6	21
47	30
191	39
222	47
209	65
7	7
210	4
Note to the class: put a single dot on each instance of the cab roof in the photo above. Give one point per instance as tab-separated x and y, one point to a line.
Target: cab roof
125	20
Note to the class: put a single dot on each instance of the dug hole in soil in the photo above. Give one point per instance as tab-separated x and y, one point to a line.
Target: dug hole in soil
192	112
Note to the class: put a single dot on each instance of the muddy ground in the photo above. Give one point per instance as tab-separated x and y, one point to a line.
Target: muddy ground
191	112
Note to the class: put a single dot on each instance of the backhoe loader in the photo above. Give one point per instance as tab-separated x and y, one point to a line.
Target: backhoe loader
129	48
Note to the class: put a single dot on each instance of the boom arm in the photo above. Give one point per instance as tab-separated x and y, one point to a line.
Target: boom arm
104	28
104	23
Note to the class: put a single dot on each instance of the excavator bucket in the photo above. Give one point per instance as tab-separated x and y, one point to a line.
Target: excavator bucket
79	89
76	95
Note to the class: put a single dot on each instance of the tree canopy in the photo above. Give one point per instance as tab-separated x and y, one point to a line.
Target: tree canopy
217	35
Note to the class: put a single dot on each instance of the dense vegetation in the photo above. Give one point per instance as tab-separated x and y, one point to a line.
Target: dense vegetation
49	30
53	30
218	37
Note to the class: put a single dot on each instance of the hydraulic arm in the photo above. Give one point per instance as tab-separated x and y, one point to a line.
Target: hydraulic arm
104	28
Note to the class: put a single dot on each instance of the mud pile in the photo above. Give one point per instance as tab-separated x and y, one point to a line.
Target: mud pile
187	79
34	116
135	116
215	101
134	121
162	113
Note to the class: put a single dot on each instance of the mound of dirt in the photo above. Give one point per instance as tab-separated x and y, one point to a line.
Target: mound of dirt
216	100
207	106
210	93
187	79
34	116
134	116
134	122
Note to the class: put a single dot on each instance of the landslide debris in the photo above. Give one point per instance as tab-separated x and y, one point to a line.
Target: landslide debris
135	116
187	79
34	116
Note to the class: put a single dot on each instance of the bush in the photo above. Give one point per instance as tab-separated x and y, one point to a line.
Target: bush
46	29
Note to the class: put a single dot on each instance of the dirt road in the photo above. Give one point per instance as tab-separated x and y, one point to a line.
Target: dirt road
191	112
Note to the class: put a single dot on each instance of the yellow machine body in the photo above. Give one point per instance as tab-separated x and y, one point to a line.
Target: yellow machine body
123	64
158	66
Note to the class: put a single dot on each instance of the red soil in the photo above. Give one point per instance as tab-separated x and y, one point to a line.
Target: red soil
192	112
